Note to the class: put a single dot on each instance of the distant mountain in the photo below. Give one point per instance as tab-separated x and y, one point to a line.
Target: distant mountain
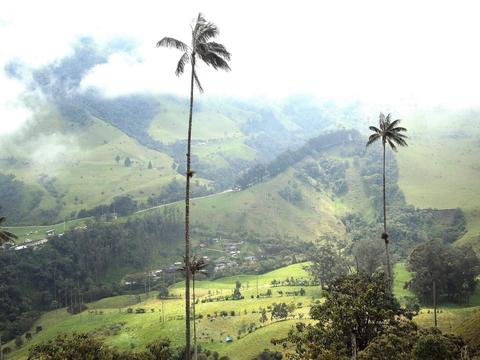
71	146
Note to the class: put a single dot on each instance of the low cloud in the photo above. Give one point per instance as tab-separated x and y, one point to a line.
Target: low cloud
13	112
50	149
125	74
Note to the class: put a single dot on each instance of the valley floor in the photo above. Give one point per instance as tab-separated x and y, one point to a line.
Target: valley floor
110	319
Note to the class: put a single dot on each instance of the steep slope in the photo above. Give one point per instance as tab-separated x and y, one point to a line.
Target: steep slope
440	169
75	167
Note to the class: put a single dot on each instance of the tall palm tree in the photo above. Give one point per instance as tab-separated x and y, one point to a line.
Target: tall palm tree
390	133
5	236
217	56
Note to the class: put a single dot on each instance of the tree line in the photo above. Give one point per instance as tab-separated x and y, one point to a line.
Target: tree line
261	172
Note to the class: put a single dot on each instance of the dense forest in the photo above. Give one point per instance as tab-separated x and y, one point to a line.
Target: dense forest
77	267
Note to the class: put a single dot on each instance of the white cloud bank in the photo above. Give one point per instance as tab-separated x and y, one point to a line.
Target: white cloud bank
13	113
383	52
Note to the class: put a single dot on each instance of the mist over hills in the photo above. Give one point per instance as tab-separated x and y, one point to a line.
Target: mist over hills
70	160
70	123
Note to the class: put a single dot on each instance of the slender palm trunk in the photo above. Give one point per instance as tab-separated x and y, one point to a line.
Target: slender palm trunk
187	223
385	235
194	320
434	303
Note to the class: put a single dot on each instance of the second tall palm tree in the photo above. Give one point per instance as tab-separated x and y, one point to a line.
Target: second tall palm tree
217	56
390	133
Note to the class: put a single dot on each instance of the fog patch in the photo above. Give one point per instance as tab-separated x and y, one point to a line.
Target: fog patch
52	149
13	112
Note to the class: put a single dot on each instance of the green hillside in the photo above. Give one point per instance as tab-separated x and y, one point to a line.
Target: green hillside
440	168
110	320
76	168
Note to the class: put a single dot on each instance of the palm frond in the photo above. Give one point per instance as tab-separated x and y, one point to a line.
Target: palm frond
381	118
197	81
375	129
398	140
185	59
173	43
392	145
398	129
214	60
394	133
199	22
388	118
373	138
218	49
393	123
205	32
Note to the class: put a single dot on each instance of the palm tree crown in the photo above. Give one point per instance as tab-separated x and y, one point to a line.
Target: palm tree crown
210	52
197	266
389	132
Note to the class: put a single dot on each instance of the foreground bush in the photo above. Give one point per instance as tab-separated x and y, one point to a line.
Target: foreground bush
86	346
361	315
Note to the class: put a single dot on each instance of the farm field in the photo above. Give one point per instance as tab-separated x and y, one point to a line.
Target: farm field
110	319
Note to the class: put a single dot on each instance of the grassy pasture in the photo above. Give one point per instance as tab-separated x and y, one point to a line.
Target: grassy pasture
108	318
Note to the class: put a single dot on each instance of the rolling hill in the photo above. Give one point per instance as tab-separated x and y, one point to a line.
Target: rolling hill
111	320
440	169
74	167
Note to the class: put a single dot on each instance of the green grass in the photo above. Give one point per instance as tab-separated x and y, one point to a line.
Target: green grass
356	198
440	173
450	317
472	236
36	232
217	138
440	167
171	122
401	276
109	320
469	329
254	343
261	210
137	330
120	301
86	174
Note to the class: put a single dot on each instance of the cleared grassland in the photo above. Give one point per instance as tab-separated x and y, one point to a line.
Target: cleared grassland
109	320
438	172
472	236
450	317
82	170
441	168
260	209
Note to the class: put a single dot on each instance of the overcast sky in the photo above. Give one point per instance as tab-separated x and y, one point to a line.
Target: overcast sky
379	52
